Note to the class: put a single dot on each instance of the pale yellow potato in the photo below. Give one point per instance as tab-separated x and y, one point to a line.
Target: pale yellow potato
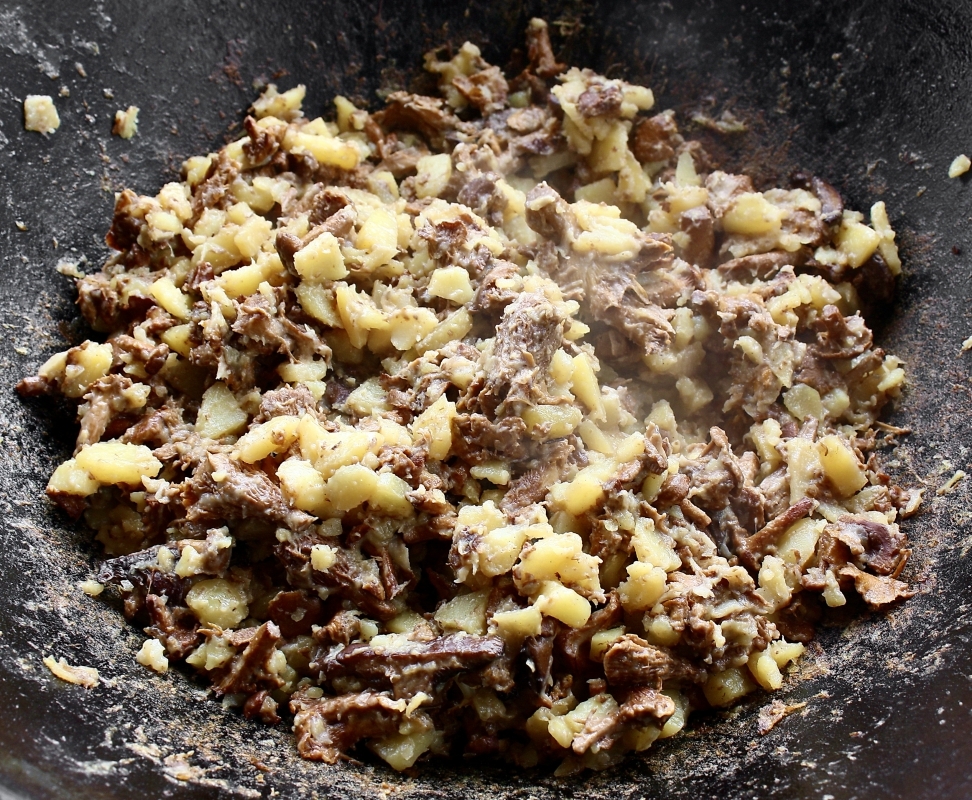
602	640
500	548
272	437
177	338
152	655
518	624
432	175
304	487
751	214
323	557
283	106
401	750
321	259
117	462
217	601
464	612
350	486
325	149
69	478
451	283
841	466
559	557
220	413
212	654
799	541
302	371
724	688
803	401
557	601
643	588
40	114
76	369
547	422
856	242
653	547
434	426
390	496
359	314
765	670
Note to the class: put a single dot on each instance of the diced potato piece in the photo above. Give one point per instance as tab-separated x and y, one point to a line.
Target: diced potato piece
217	601
220	413
773	587
661	632
764	669
319	302
856	241
408	326
601	191
326	150
451	283
799	541
652	547
152	655
69	478
518	624
804	467
379	236
584	384
401	750
284	106
496	472
321	259
607	154
559	557
557	601
585	490
803	401
40	114
177	338
547	422
724	688
602	640
752	214
323	557
212	654
343	448
435	426
76	369
350	486
369	398
304	486
841	466
359	314
500	548
170	297
252	234
465	612
273	436
643	588
433	174
302	371
783	652
676	721
118	462
391	496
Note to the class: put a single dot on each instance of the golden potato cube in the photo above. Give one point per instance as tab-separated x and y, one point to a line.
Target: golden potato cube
465	612
391	496
557	601
841	466
152	655
252	234
319	302
40	114
585	386
643	588
177	338
326	150
379	233
433	174
220	413
676	721
601	191
369	398
451	283
727	686
302	371
499	549
304	486
434	425
359	314
585	490
118	462
547	422
773	587
602	640
217	601
323	557
559	557
282	106
804	467
856	241
408	326
78	367
783	652
273	436
343	448
799	541
451	329
803	401
607	154
518	624
69	478
751	214
350	486
652	547
321	259
401	750
764	669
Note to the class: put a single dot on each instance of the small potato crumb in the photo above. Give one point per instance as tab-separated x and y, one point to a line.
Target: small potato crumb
40	115
152	655
959	166
126	122
82	676
91	588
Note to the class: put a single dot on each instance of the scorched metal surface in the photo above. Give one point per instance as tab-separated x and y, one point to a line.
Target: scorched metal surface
873	96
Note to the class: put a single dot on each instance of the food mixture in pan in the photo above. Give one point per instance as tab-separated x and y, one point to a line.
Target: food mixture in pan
501	421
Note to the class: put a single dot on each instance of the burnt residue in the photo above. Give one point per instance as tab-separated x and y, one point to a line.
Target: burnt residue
866	95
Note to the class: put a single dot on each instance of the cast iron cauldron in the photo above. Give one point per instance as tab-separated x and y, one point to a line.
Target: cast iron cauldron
873	96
